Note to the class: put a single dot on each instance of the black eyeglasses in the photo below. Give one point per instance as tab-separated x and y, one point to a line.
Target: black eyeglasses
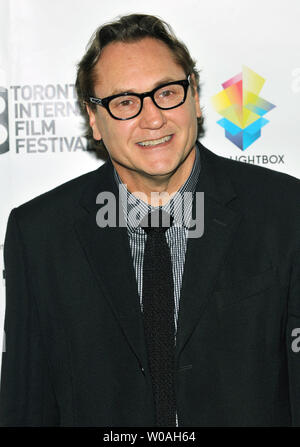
128	105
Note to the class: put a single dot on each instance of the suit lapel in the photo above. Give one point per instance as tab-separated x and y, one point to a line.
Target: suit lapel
108	253
205	254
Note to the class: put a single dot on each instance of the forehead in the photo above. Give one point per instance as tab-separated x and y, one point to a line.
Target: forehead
136	66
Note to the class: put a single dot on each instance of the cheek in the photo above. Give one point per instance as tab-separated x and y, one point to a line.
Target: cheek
187	118
115	132
192	109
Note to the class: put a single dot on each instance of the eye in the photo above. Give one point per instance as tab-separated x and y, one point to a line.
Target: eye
166	93
125	103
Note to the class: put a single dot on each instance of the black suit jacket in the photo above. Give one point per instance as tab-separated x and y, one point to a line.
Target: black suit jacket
75	348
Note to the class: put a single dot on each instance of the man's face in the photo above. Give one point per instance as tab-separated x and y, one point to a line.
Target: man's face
139	67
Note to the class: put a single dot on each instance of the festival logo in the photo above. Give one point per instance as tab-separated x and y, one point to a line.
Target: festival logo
242	108
4	141
43	119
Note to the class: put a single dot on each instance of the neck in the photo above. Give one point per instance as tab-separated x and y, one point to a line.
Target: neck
156	190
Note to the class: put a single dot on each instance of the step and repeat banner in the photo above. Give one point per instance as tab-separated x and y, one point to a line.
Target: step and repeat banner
248	55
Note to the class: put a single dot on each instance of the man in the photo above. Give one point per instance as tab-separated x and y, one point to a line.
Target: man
141	324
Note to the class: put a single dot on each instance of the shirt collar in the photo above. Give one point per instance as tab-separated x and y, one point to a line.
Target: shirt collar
179	206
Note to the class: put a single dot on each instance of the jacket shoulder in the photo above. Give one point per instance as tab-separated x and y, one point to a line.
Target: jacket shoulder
59	201
266	198
253	179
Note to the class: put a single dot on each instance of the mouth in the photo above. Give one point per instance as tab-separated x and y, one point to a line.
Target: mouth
153	143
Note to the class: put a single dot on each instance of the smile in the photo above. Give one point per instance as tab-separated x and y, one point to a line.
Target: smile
155	142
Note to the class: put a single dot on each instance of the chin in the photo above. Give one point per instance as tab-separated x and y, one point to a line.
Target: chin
161	171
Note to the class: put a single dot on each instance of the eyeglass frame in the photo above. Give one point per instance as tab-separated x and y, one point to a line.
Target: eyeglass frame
104	102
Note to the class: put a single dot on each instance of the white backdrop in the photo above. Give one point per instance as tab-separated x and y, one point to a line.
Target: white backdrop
41	42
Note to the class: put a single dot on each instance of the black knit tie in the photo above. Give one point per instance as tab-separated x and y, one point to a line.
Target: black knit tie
158	315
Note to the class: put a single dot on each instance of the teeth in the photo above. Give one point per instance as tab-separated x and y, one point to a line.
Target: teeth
155	142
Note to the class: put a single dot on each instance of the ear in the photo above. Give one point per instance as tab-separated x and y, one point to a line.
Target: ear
196	96
93	123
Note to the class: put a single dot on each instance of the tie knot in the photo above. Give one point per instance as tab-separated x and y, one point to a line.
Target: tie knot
157	221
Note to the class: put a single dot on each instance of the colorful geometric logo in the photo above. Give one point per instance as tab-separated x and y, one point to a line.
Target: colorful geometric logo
242	108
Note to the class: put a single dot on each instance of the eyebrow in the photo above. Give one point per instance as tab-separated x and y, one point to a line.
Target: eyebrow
133	90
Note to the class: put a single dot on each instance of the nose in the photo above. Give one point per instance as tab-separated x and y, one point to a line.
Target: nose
151	117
